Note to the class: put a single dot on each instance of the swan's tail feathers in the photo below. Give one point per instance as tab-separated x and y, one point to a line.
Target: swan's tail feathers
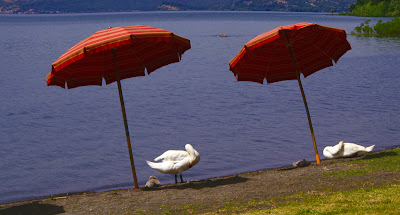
368	149
152	165
157	166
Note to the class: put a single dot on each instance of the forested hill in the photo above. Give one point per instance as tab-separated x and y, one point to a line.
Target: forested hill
71	6
378	8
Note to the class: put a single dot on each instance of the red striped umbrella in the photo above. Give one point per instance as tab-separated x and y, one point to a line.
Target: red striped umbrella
115	54
285	52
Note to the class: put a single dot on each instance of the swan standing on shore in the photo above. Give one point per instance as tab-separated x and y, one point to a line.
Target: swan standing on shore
346	150
176	161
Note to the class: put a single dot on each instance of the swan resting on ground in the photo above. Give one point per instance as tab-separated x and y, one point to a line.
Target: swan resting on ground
176	161
346	150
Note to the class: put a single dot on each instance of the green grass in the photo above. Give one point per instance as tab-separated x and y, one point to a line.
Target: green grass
385	161
375	200
380	200
173	209
368	200
389	161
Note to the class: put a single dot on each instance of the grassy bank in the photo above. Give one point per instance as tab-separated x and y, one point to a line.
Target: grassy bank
368	200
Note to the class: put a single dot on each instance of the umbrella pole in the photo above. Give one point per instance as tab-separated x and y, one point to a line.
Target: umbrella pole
309	119
304	96
128	139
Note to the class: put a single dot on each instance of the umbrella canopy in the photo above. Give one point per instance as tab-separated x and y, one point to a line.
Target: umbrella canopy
115	54
285	52
137	48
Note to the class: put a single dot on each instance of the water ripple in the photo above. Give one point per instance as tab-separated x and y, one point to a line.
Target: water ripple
59	141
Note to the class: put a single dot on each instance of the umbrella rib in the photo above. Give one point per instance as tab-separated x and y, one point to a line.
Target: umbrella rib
269	63
70	73
134	53
287	42
322	51
302	37
104	68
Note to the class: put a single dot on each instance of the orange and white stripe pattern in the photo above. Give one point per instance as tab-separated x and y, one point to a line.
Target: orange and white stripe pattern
267	56
138	48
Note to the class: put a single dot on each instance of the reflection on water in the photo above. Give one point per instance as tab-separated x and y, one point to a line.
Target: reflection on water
370	46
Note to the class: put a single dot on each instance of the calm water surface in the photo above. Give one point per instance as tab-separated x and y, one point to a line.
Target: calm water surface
55	141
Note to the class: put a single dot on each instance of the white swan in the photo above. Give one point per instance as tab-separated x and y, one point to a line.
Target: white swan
346	150
176	161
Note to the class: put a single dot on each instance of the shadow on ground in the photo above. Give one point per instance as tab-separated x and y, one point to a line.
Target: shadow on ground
202	184
33	209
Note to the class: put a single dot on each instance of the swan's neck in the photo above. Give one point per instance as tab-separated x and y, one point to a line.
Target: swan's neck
192	155
190	150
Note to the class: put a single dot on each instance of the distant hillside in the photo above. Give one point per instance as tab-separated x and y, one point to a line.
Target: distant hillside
262	5
376	8
69	6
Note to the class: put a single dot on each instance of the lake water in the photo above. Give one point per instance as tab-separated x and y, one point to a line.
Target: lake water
56	141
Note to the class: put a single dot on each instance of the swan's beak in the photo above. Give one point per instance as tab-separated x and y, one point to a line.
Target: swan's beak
190	165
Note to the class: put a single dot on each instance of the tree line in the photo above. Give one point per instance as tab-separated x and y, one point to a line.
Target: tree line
376	8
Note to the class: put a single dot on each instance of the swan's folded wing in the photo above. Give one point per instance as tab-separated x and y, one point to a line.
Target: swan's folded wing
167	167
172	155
352	148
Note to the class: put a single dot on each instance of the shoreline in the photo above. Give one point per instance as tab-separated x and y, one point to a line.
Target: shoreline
262	184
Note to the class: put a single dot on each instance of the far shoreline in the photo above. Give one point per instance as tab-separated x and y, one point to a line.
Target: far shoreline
172	11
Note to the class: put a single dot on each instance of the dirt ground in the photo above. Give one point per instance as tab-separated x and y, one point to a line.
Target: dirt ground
207	196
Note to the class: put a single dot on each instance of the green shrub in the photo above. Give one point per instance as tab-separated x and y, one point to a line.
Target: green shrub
364	29
387	29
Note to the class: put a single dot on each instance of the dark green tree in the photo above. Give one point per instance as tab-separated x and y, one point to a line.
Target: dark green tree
376	8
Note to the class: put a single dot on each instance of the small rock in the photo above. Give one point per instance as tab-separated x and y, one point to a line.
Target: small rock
302	163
